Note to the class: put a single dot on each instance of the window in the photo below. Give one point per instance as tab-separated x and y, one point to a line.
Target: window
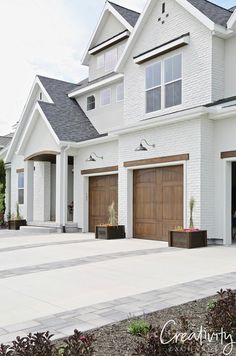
120	92
40	96
90	102
105	96
153	87
164	84
100	61
21	188
111	58
173	81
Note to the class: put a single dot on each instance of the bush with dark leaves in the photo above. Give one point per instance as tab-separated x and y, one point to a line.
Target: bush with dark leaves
157	344
40	344
221	313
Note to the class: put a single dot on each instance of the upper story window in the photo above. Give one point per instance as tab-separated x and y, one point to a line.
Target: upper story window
90	102
111	58
120	92
153	87
100	61
105	96
173	81
164	84
108	60
21	187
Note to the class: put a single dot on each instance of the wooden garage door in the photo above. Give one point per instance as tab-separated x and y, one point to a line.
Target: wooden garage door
103	190
158	202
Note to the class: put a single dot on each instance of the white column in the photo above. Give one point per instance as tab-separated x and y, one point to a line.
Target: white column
227	203
29	189
125	200
8	193
76	189
61	187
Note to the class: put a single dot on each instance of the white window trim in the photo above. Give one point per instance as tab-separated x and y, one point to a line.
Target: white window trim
163	86
119	101
103	105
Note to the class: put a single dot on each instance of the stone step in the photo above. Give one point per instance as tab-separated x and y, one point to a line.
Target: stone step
38	229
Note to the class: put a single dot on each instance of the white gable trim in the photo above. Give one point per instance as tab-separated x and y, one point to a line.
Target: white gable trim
144	17
24	116
97	85
108	8
232	20
28	129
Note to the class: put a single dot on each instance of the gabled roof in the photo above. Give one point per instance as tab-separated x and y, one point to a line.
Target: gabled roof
129	15
219	15
65	115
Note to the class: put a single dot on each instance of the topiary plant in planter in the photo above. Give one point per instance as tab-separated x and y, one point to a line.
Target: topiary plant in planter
188	238
16	220
112	230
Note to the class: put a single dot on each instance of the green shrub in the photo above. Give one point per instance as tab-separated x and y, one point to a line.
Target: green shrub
138	327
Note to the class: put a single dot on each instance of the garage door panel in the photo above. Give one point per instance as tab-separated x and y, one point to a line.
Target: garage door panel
158	201
103	190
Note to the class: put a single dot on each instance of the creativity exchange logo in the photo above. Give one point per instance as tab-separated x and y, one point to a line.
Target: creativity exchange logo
202	336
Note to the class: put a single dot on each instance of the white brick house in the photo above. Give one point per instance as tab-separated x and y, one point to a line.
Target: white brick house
165	78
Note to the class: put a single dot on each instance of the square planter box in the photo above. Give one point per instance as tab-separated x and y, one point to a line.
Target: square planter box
110	232
15	224
187	239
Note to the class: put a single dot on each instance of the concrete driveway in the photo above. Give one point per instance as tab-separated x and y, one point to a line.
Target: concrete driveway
62	282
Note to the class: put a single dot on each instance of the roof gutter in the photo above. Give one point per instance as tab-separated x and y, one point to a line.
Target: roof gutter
92	142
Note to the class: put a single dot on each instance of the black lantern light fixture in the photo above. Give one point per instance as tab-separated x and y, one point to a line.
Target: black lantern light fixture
142	148
91	157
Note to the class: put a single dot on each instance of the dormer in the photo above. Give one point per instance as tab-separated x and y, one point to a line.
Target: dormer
108	41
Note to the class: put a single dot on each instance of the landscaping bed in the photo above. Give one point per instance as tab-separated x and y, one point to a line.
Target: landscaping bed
114	339
141	336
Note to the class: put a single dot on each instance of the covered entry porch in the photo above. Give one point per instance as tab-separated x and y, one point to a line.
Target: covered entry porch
49	189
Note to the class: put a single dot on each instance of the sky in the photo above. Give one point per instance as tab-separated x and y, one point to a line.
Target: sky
46	37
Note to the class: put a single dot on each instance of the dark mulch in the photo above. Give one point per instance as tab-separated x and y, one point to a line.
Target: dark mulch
114	340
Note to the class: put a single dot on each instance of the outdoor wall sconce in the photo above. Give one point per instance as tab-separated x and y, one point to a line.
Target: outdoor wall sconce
91	157
141	147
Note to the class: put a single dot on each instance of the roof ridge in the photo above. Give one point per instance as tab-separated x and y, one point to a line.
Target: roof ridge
126	8
58	80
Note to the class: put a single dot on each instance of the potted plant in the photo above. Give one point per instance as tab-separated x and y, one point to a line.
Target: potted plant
112	230
16	220
188	238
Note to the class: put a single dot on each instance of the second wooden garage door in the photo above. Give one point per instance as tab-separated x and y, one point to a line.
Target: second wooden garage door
158	202
103	190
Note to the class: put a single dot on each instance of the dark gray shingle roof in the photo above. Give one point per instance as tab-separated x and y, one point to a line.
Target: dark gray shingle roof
216	13
5	140
129	15
66	117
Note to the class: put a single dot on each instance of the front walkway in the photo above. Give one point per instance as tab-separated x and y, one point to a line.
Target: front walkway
62	282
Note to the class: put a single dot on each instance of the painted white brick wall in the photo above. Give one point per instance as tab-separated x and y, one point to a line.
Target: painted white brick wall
197	60
218	68
181	138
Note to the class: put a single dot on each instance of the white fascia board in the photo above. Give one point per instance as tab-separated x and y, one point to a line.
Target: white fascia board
222	111
163	49
96	85
107	8
107	43
37	110
232	20
23	117
95	141
163	120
